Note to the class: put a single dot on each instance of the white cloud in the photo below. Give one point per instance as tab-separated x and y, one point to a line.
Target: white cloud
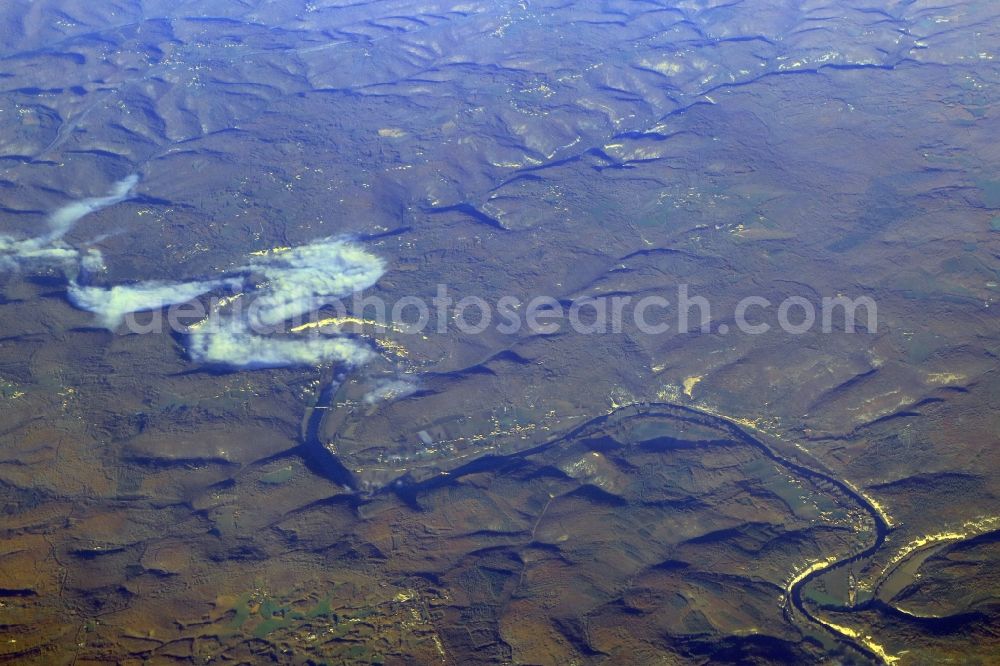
233	345
15	253
391	389
93	261
310	276
63	219
299	280
296	282
113	303
49	249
